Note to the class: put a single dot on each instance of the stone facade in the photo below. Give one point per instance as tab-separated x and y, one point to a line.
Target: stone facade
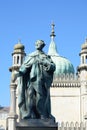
65	99
3	117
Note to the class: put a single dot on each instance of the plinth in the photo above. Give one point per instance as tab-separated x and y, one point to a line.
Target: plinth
37	124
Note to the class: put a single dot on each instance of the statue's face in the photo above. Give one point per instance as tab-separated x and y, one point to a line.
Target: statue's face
39	45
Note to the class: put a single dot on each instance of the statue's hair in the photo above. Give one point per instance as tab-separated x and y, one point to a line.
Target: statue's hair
40	42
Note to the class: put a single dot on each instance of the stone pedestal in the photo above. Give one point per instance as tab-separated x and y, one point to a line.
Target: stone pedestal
12	122
37	124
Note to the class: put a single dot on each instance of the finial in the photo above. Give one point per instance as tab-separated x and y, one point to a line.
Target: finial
52	32
19	41
86	40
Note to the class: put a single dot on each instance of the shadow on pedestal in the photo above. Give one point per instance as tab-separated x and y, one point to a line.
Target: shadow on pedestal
37	124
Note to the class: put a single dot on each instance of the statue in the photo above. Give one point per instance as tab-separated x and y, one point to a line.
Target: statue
35	78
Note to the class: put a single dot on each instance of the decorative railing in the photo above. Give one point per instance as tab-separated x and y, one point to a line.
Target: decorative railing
66	77
72	126
68	80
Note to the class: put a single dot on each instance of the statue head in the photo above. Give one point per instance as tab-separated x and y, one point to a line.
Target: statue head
39	44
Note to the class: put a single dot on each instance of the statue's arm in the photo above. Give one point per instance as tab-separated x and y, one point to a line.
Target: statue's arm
23	69
51	67
14	76
49	64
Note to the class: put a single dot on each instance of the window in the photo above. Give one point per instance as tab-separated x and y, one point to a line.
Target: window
17	59
86	59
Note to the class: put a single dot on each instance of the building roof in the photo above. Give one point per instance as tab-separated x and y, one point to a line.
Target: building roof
4	109
63	65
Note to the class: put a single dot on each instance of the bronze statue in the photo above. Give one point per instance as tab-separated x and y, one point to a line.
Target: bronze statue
35	78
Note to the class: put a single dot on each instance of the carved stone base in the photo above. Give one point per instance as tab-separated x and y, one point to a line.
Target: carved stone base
37	124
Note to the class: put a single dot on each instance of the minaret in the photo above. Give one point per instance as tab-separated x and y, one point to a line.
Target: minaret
52	48
18	56
82	71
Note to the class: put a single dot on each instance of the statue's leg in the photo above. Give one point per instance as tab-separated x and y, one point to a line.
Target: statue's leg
48	104
26	110
29	103
23	111
40	101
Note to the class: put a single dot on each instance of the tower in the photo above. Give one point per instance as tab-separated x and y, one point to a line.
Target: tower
82	71
18	56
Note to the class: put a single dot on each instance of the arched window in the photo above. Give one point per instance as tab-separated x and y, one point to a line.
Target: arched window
86	59
17	59
22	59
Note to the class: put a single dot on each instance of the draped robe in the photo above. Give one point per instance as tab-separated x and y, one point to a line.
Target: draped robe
36	76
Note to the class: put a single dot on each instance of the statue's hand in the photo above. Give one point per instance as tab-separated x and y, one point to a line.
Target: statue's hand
14	76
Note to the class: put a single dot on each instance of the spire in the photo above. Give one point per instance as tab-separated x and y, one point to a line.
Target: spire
84	45
19	41
86	40
52	31
52	47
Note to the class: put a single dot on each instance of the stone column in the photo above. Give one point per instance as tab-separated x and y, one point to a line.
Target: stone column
83	96
12	114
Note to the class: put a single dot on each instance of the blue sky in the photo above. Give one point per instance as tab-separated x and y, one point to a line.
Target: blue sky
30	20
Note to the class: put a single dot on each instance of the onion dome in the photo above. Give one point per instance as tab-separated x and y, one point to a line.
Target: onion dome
84	47
18	56
83	55
19	47
63	65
